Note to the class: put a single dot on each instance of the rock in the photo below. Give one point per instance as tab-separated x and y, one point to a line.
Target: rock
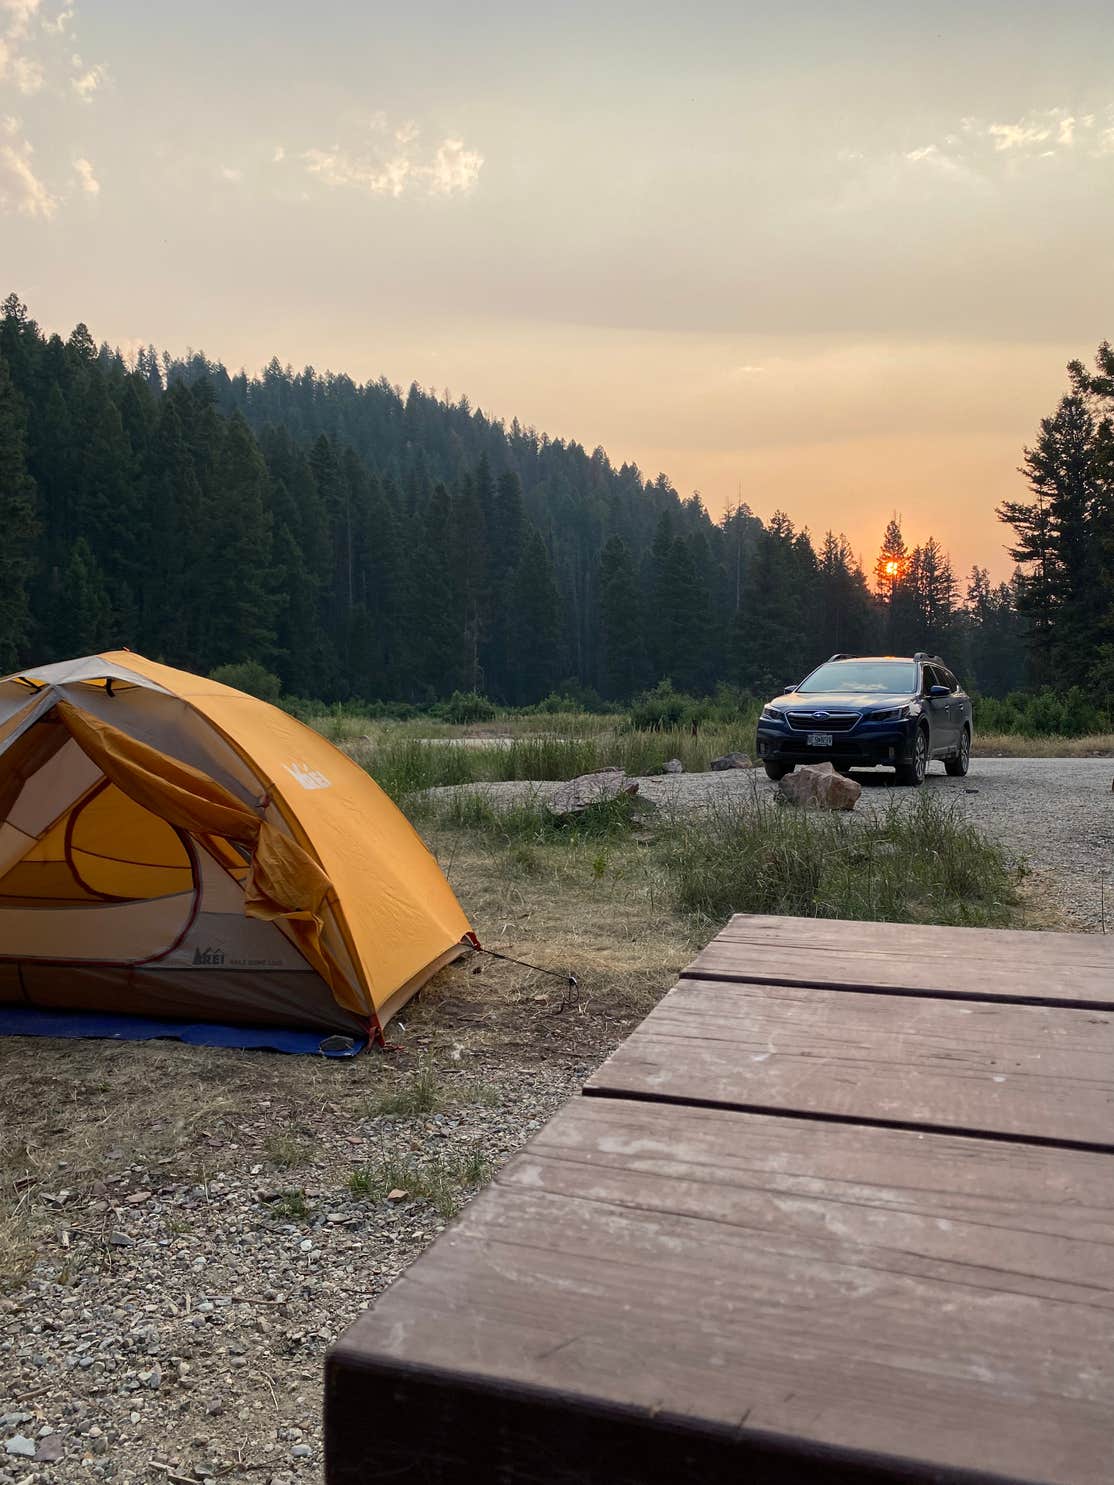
397	1194
817	786
673	765
731	760
301	1451
25	1448
121	1240
51	1449
591	788
153	1378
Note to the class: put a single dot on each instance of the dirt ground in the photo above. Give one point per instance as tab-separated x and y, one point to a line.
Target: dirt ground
183	1231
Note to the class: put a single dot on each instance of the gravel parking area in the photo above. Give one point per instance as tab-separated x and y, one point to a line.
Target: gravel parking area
1055	814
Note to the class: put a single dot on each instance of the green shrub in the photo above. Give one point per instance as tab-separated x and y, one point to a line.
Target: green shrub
249	676
463	707
1075	713
663	707
921	864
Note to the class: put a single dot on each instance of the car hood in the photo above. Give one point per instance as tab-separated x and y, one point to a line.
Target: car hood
841	701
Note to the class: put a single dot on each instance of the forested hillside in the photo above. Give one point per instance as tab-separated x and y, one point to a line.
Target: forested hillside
364	543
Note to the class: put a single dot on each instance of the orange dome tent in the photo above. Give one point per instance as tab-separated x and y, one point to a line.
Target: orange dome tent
172	847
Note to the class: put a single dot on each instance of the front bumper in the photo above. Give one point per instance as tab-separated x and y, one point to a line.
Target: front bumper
865	746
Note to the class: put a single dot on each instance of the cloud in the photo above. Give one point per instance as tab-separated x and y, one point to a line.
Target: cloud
88	182
450	169
34	58
980	149
88	79
231	175
454	168
61	22
27	74
21	190
18	15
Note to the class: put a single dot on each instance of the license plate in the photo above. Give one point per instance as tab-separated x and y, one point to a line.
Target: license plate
820	739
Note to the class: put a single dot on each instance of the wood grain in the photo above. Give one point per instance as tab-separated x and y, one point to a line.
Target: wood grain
1075	969
760	1289
1014	1071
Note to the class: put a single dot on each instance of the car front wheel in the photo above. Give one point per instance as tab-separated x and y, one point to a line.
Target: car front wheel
914	771
957	767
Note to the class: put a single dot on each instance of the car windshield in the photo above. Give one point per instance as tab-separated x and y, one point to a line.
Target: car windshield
882	676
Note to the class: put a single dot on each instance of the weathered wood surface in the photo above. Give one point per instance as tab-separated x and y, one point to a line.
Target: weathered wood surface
776	1299
841	1210
1018	1071
972	963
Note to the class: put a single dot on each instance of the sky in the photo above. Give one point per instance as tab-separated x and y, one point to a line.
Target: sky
824	256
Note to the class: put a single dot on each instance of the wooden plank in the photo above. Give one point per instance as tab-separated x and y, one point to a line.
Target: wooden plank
1011	1071
1074	969
652	1294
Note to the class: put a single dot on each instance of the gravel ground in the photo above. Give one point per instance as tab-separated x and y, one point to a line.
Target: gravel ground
1056	814
194	1239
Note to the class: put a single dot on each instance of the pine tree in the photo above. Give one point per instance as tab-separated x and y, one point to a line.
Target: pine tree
17	526
1059	546
239	604
81	620
537	623
623	667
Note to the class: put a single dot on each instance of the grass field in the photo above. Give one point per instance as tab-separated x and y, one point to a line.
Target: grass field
405	757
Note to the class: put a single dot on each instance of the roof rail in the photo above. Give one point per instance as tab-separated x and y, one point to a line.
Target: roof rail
924	655
840	656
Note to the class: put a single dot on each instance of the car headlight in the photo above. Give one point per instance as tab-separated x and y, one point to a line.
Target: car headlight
897	713
771	714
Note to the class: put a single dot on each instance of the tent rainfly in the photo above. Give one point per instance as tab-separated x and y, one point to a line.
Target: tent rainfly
173	847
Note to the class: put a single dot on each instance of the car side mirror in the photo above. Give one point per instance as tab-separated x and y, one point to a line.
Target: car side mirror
938	691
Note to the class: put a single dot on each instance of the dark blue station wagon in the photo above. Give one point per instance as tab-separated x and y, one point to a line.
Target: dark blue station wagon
861	711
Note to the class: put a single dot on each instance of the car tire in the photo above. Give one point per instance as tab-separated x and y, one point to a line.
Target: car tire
957	767
913	773
777	771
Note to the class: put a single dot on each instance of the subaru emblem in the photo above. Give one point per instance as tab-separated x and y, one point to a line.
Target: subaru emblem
821	716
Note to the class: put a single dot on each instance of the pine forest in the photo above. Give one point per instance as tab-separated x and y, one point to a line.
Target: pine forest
361	543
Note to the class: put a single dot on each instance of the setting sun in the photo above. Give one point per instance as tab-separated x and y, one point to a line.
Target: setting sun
893	569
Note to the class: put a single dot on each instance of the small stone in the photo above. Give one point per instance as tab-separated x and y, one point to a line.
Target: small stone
138	1197
397	1194
51	1449
301	1451
673	765
731	760
25	1448
153	1378
121	1240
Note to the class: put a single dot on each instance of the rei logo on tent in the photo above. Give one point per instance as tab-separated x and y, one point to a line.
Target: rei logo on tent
207	958
309	778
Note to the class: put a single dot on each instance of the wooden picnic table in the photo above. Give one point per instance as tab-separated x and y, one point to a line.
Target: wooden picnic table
841	1209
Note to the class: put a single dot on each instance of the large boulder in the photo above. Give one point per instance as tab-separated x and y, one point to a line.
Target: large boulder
731	760
817	786
591	788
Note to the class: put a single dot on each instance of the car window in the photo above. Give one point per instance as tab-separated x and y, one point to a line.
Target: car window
929	678
879	676
947	679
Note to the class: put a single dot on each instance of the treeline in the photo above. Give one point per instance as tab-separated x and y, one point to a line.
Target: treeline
362	543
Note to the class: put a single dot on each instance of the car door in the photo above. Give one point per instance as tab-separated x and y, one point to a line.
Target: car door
942	729
958	705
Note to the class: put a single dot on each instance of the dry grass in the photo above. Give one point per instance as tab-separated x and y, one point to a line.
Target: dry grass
1013	745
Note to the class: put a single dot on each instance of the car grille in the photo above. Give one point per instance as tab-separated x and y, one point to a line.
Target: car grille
824	722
